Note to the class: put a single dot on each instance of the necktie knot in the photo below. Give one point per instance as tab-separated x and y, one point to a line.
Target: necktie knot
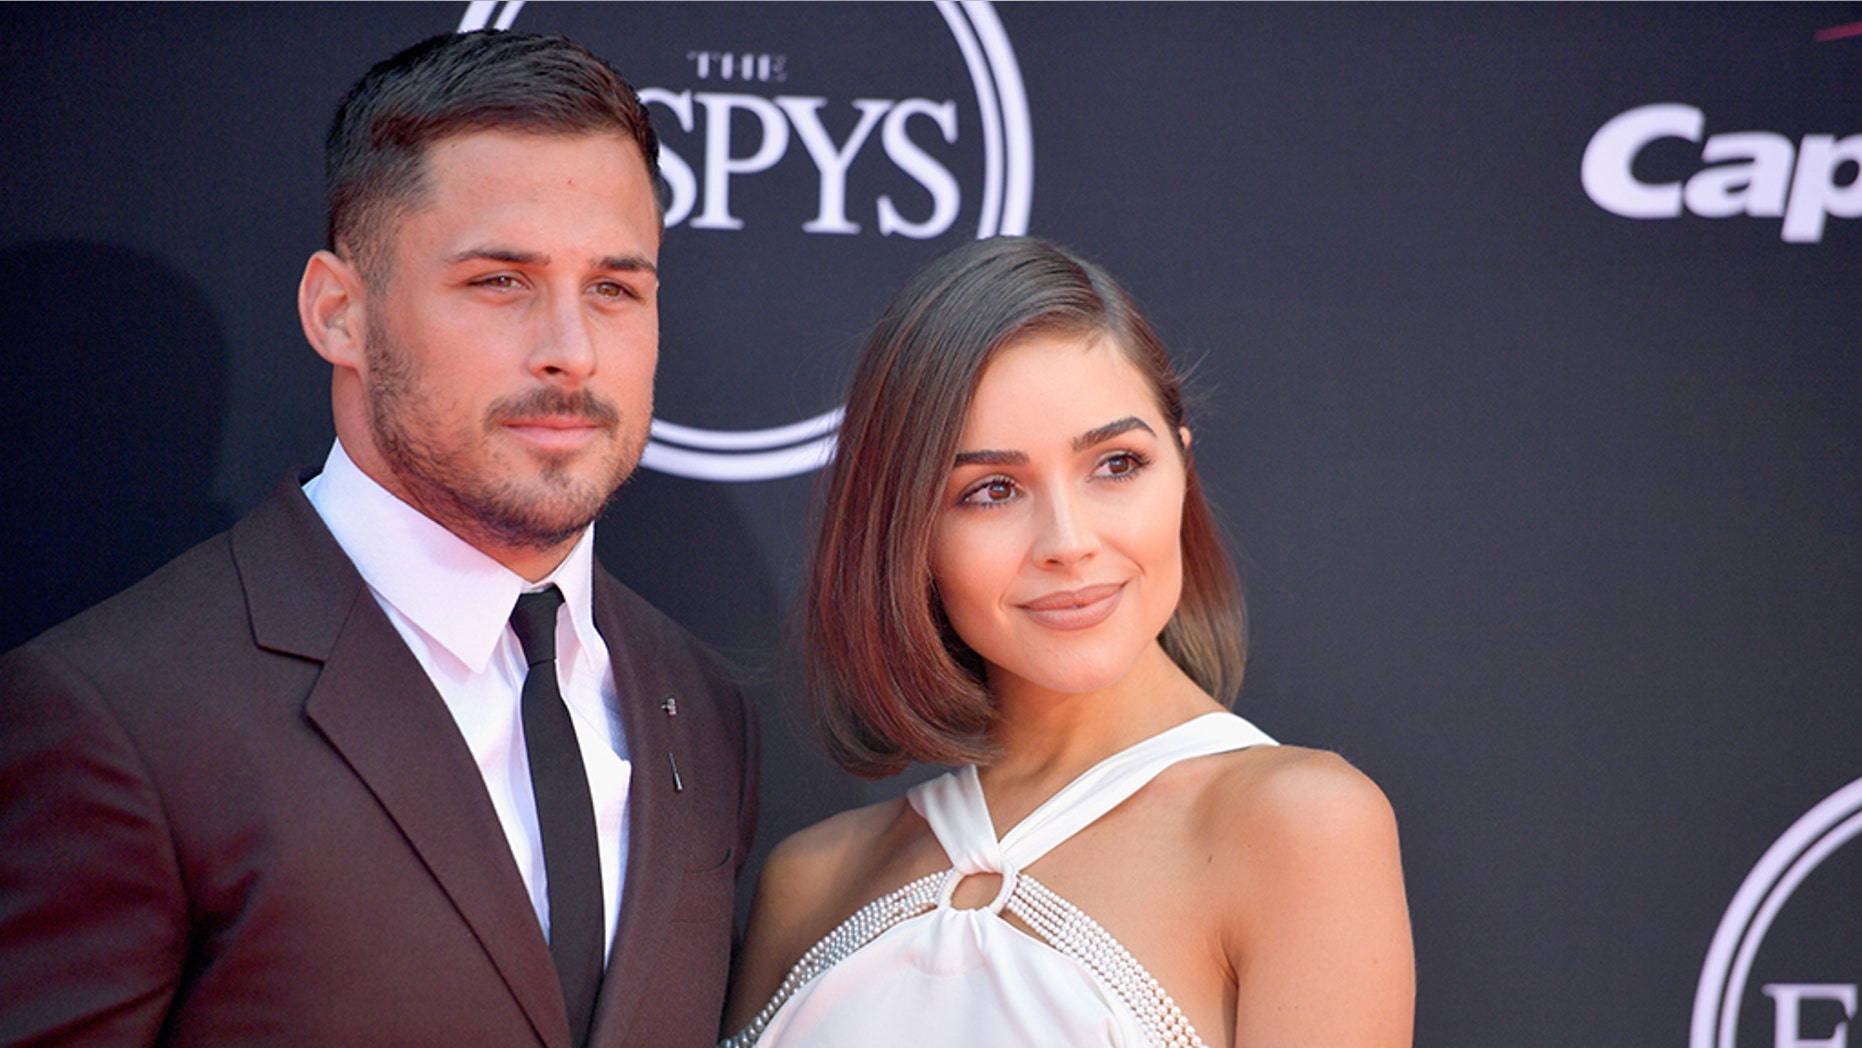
534	622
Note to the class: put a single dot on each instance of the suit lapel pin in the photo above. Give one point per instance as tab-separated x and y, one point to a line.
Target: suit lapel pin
670	705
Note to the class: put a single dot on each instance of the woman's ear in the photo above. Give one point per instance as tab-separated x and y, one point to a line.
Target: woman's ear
331	306
1183	438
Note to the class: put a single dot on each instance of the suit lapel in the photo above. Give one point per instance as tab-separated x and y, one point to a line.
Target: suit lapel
375	705
651	864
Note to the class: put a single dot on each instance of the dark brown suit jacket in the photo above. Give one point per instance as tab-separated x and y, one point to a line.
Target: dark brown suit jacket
233	810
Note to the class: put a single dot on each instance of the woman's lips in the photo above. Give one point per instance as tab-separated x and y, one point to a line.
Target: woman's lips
1075	609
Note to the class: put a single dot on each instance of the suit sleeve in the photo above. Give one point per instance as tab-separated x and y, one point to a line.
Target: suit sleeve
93	915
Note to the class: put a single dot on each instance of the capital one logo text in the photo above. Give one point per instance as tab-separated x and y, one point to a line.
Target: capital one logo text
1761	174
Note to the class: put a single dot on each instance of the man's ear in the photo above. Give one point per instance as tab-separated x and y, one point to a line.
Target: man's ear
333	309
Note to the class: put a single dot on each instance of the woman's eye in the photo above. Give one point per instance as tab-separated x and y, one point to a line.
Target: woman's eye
1122	465
990	493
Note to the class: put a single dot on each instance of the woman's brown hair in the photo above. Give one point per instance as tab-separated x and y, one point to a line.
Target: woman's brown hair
890	681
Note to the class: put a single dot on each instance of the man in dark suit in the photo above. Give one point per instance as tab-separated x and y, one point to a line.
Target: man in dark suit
297	786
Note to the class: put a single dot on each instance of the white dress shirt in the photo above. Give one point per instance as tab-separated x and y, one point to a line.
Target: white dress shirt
452	605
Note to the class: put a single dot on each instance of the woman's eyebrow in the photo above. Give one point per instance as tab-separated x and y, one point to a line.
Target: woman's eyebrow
992	458
1090	438
1110	430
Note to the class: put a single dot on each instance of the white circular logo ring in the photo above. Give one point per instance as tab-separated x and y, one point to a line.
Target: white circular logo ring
1008	188
1809	841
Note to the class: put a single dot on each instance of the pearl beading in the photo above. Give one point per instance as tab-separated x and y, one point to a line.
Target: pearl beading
1068	929
1058	922
868	923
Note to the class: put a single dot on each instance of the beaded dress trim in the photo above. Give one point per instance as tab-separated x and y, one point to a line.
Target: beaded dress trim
954	807
1061	924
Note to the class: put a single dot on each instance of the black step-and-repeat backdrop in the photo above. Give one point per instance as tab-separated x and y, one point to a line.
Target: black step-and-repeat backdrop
1530	339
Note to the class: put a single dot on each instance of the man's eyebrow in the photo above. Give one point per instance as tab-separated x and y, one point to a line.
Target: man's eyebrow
618	263
992	458
499	254
1111	429
630	264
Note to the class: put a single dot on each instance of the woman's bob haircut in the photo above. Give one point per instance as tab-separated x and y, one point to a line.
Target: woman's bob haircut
890	682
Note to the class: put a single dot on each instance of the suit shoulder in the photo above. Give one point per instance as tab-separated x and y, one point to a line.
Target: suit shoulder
644	628
637	613
197	592
197	626
202	593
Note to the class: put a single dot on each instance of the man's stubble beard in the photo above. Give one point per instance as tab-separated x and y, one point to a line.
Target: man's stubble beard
443	483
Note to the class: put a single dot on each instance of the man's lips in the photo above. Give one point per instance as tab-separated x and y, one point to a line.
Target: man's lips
1075	609
556	432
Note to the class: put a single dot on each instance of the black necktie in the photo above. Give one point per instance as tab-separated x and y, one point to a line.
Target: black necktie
565	815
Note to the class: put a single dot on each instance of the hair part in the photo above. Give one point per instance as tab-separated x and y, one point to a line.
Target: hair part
375	156
890	681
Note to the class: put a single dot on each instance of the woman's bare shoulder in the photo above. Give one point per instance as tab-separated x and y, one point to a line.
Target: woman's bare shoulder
1296	795
1307	836
1319	891
810	874
811	881
1279	817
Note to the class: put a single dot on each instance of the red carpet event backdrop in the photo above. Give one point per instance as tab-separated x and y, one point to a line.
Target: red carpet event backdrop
1528	341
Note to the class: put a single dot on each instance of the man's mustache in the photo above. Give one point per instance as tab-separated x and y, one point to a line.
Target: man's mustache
581	405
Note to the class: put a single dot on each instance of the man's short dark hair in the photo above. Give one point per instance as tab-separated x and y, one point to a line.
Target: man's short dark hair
454	84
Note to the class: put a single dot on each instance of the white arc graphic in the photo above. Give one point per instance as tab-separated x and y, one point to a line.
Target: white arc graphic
1810	840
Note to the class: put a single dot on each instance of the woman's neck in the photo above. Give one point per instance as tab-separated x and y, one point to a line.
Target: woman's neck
1048	738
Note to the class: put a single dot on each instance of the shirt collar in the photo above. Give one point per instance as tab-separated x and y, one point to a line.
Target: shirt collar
445	586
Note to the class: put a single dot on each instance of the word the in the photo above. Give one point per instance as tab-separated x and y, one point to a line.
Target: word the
728	65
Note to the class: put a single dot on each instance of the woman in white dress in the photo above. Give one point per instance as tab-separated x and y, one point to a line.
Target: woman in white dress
1018	575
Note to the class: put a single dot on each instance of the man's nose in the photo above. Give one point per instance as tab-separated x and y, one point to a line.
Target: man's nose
564	349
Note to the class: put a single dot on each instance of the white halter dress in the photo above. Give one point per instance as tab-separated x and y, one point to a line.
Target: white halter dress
911	969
